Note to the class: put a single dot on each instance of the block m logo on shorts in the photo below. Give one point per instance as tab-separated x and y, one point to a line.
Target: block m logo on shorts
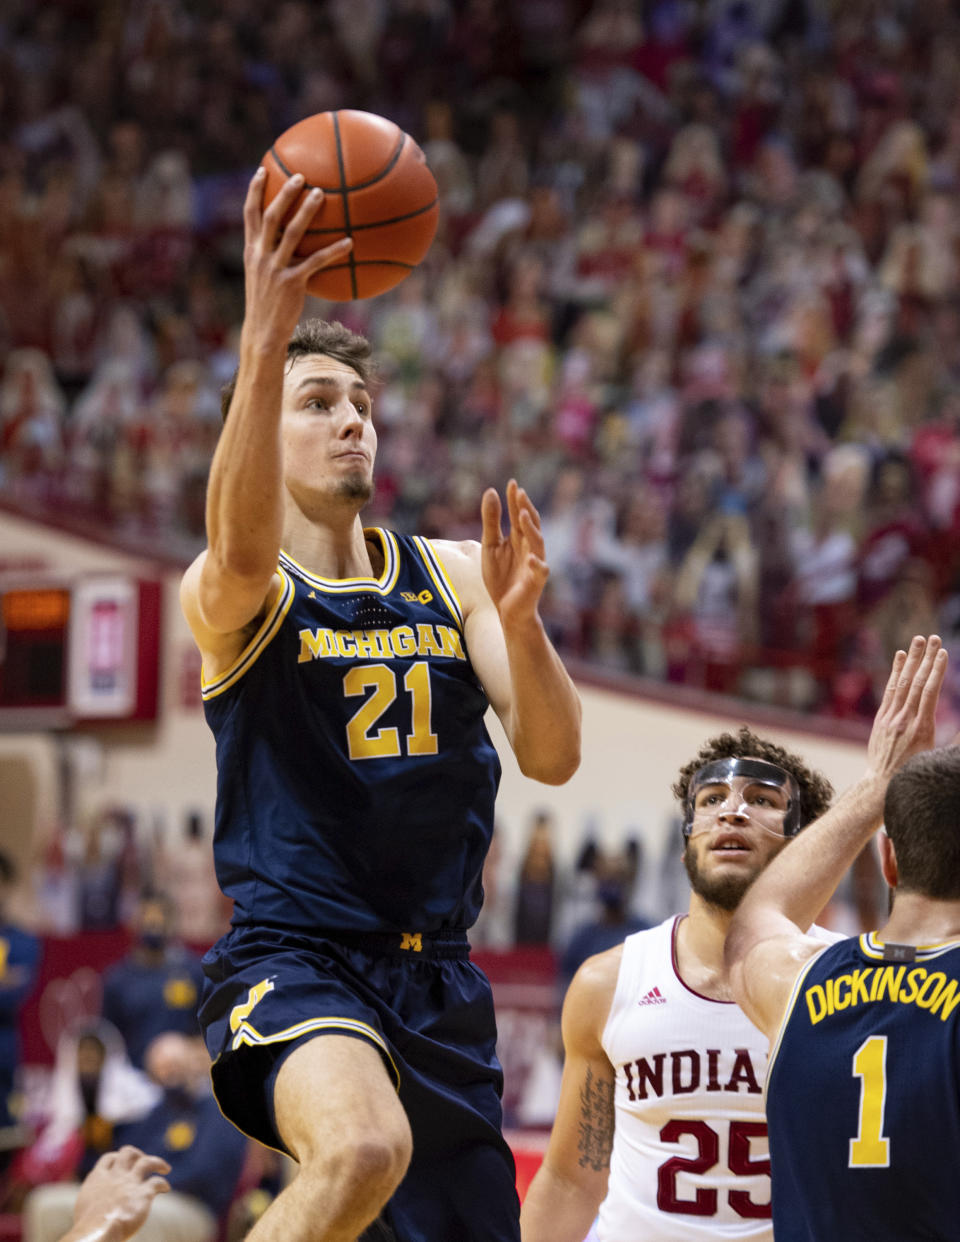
241	1012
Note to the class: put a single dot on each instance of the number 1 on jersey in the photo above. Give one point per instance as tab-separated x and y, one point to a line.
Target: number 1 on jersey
870	1150
422	741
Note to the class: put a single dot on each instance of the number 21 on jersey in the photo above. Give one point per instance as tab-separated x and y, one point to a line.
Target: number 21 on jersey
364	739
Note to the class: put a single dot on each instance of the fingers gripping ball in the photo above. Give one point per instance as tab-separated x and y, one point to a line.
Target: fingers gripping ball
377	189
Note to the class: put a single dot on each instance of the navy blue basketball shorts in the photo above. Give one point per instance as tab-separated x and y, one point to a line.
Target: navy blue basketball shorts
429	1013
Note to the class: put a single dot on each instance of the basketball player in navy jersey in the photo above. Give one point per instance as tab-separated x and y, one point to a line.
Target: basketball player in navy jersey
346	674
863	1088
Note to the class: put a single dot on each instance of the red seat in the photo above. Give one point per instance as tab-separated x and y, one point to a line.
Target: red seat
11	1227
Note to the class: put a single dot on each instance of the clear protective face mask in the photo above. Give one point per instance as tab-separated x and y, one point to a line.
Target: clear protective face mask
736	783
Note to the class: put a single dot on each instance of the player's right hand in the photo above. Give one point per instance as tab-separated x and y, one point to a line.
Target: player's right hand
276	280
116	1194
905	723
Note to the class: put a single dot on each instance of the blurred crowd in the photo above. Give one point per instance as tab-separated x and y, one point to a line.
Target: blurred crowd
91	877
695	285
129	1067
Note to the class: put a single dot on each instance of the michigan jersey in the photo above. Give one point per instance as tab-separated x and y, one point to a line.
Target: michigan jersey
356	778
863	1096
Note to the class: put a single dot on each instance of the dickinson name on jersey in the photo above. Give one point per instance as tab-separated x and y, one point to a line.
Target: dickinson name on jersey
930	990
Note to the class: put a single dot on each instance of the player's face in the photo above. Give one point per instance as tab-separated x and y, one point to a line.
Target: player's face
329	441
737	829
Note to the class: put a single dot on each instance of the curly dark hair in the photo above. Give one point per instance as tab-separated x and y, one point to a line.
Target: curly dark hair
816	791
319	336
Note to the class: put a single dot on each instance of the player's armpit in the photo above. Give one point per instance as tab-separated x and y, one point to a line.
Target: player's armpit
522	675
763	977
483	632
222	615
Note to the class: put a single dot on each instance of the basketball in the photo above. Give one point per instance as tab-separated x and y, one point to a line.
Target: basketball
377	189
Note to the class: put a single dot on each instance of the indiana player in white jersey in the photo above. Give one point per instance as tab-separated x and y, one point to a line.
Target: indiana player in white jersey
660	1121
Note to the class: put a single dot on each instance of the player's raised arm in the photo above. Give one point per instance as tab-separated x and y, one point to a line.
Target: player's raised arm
765	947
227	585
571	1183
500	584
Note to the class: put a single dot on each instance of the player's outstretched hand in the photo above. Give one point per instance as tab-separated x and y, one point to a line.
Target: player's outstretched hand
905	723
276	282
514	569
116	1195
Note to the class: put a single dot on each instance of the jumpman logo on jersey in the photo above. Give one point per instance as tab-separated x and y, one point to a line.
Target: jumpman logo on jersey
653	997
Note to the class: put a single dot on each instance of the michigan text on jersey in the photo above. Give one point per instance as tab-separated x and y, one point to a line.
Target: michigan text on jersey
930	990
381	644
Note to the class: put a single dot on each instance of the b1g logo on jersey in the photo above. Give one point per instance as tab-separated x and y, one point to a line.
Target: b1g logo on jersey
412	597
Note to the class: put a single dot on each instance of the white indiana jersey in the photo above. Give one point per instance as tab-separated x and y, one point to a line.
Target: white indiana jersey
690	1157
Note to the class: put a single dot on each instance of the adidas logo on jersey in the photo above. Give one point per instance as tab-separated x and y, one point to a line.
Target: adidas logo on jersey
653	997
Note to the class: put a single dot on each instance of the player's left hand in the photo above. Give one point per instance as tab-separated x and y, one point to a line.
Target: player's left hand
513	565
116	1194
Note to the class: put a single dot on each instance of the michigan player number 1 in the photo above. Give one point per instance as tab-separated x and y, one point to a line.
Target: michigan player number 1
870	1149
364	739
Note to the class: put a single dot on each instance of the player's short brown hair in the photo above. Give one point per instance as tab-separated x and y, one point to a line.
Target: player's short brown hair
319	336
816	791
921	814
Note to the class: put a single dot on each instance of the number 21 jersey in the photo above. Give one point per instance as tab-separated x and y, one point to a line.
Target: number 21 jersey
355	776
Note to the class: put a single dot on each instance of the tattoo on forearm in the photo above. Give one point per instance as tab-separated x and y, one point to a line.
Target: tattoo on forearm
596	1123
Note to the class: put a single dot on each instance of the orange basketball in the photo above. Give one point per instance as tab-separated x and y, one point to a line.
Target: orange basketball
377	189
